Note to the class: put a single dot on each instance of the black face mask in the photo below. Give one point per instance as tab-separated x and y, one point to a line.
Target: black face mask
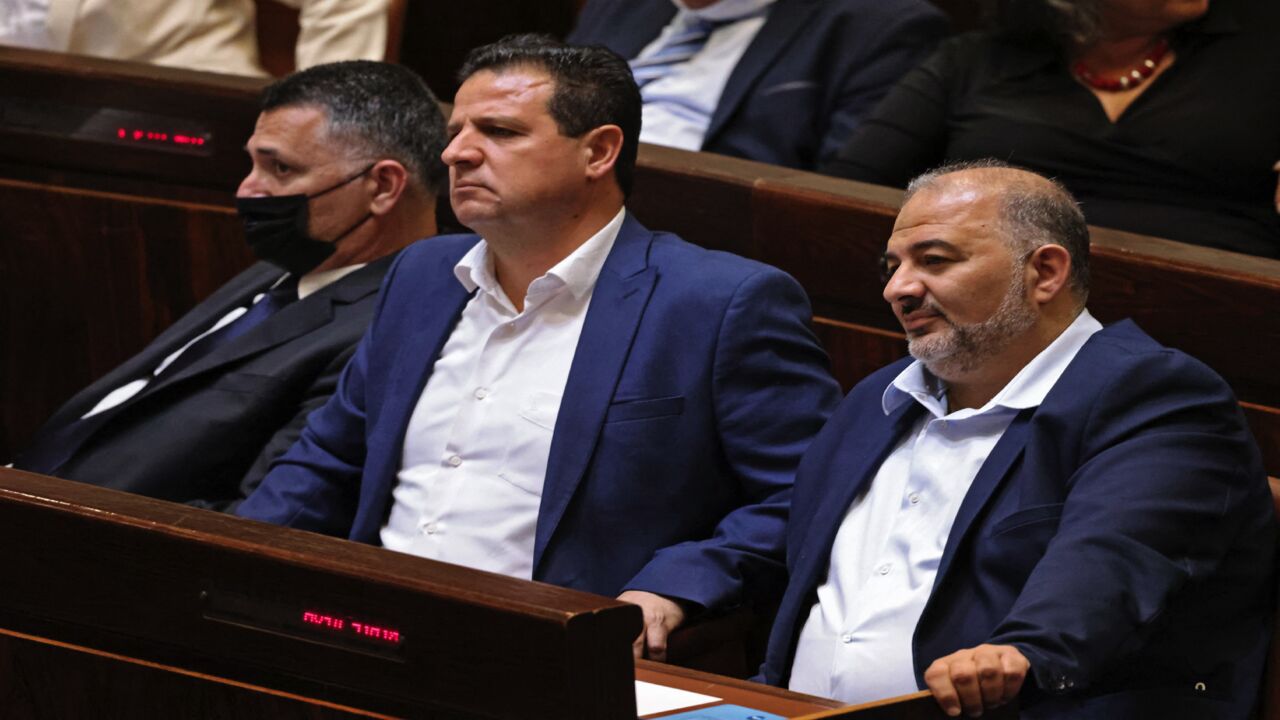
276	228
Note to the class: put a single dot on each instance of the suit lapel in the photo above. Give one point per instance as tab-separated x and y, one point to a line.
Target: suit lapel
293	321
786	19
851	468
419	349
235	293
990	476
646	23
617	304
416	336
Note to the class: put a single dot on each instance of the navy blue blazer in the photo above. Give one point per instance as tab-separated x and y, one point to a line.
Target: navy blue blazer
696	387
1121	536
816	68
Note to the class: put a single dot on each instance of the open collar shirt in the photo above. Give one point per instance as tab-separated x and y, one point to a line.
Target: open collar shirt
856	643
477	445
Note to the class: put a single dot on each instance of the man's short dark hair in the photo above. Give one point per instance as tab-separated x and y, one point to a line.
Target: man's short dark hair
384	110
1032	214
593	87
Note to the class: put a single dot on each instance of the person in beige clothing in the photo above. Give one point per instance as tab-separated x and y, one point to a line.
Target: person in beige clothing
213	35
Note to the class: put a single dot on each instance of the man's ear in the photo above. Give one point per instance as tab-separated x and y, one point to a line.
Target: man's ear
602	147
1051	265
390	179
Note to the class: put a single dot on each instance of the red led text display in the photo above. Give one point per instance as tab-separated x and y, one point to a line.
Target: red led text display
339	624
158	137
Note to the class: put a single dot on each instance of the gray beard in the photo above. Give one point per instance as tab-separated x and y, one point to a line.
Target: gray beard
961	348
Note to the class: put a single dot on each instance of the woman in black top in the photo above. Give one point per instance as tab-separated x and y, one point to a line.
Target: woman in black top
1182	147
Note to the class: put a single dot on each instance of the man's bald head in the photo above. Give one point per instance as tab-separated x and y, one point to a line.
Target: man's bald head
1034	210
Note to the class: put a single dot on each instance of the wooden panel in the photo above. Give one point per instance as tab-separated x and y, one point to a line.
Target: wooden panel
706	199
45	680
225	104
136	577
277	30
438	35
856	351
87	279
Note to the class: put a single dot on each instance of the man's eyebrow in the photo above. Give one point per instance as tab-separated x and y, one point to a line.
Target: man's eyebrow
932	244
268	151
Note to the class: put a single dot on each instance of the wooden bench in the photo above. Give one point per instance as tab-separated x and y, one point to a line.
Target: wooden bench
126	606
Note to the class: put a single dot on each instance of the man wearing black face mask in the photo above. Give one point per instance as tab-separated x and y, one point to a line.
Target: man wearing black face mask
346	165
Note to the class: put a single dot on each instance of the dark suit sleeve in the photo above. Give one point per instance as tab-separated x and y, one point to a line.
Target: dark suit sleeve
1170	480
315	485
772	392
906	134
885	56
317	394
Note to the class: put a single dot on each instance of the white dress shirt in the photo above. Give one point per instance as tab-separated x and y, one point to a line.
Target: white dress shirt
308	284
678	107
856	644
476	448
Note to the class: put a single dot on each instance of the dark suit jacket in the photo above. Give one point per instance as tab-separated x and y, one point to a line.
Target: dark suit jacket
1120	535
208	433
695	388
816	68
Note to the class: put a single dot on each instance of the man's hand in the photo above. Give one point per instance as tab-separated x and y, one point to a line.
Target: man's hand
987	676
661	616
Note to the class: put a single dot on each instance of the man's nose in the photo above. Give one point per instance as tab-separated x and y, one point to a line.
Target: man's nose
460	150
252	186
903	286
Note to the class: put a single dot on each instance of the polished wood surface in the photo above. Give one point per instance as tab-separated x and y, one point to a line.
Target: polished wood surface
438	35
138	578
113	615
225	104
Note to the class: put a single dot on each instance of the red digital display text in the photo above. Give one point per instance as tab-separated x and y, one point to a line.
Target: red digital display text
154	137
346	625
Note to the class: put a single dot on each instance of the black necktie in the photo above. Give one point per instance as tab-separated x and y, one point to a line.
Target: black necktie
52	450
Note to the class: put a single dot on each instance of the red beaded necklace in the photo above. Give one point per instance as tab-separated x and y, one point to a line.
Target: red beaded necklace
1128	80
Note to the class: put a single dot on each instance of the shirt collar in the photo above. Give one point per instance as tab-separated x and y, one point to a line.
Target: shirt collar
726	10
313	282
577	272
1027	389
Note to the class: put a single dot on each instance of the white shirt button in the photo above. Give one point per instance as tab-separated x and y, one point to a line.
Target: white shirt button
454	460
914	498
482	393
430	528
885	568
846	638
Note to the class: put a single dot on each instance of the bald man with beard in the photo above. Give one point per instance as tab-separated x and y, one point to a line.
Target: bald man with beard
1032	506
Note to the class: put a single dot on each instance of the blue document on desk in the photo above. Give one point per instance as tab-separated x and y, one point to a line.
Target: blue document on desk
724	712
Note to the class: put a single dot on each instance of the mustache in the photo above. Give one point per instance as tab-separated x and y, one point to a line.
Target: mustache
912	304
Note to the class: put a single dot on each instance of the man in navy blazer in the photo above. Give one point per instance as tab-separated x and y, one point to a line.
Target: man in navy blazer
1037	507
572	397
806	71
